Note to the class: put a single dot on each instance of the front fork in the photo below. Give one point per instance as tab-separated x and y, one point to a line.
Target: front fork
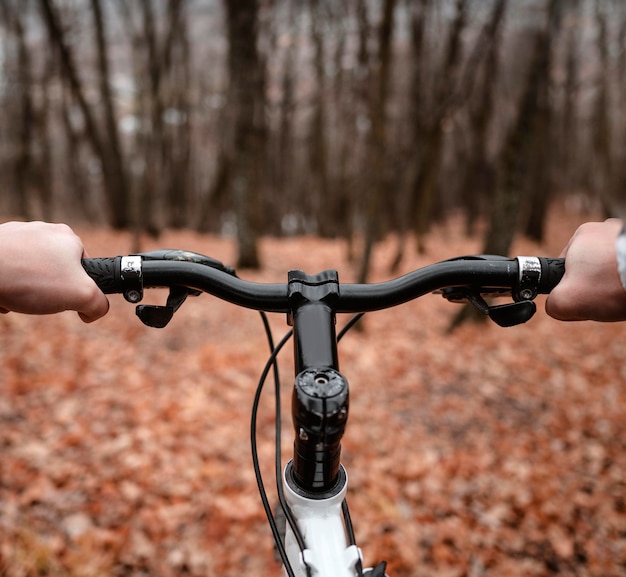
327	552
320	521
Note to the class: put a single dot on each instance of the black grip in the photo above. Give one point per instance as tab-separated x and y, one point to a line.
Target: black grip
552	271
106	272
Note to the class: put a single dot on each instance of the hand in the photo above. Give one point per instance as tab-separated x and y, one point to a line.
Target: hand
41	272
591	288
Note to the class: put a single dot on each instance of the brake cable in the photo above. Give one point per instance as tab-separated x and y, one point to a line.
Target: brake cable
272	365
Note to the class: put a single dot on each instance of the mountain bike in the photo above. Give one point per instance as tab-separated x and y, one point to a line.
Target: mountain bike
312	527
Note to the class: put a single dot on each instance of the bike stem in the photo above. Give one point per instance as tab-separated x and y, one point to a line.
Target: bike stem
320	394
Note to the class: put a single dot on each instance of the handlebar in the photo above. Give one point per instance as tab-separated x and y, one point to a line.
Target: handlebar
522	277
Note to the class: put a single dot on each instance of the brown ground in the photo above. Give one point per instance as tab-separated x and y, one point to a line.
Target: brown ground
125	450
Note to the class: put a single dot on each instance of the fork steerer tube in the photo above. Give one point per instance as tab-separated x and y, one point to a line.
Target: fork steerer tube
320	412
320	395
315	340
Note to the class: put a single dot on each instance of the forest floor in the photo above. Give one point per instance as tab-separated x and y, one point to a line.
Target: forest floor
124	450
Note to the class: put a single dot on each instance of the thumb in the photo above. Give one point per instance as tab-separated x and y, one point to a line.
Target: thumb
96	308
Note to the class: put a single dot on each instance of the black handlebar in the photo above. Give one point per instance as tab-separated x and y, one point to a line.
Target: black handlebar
484	274
105	272
552	271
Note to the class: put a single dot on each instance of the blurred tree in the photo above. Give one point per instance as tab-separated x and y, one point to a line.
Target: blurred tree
619	200
28	118
161	61
376	152
541	149
567	168
602	123
104	140
285	189
76	181
246	114
417	116
319	202
431	114
479	176
523	136
25	117
346	113
446	100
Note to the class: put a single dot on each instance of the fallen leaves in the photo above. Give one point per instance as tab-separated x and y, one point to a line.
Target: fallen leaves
489	451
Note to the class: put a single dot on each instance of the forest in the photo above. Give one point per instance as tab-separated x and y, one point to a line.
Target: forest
344	119
368	136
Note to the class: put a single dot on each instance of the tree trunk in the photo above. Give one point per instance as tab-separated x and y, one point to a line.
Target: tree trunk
376	152
319	199
446	101
77	179
24	160
178	144
541	150
115	182
479	179
247	115
282	167
569	159
516	159
602	145
417	122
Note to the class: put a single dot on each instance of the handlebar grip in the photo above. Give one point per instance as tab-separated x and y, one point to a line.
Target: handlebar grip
106	272
552	271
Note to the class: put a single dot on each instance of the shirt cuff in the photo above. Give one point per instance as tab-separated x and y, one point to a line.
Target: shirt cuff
620	249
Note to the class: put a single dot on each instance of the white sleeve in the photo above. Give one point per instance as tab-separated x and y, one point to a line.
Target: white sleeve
620	249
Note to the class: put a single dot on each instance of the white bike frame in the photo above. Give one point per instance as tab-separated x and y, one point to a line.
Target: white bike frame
321	524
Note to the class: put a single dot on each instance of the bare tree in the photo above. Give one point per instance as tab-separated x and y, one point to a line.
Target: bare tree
246	103
567	166
517	157
104	141
445	104
23	165
479	179
541	150
76	181
28	117
620	176
161	60
417	120
602	137
319	199
377	140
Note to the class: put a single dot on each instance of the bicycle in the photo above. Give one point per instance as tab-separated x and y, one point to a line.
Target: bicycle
313	531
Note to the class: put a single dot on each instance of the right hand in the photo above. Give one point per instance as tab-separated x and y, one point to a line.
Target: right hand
591	288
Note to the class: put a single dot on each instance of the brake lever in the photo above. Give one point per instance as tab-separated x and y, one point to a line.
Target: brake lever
158	316
506	315
512	314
